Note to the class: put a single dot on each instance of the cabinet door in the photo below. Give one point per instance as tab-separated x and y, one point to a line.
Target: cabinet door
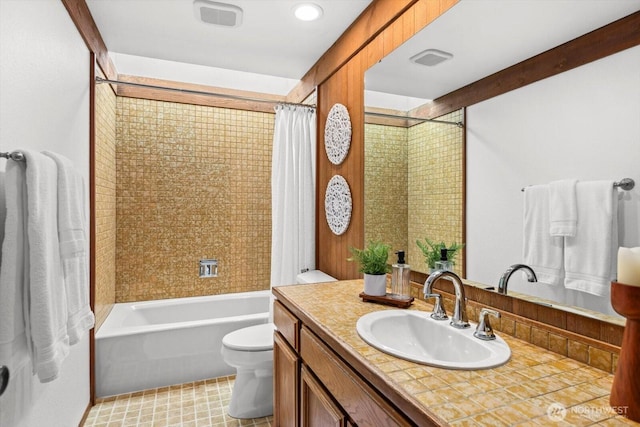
316	406
285	383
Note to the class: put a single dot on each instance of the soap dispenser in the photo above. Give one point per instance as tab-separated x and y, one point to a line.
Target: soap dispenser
444	264
400	288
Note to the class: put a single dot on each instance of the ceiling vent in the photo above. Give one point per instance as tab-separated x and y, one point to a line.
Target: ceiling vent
431	57
222	14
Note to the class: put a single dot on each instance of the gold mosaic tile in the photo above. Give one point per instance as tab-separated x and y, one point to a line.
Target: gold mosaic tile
193	182
524	391
105	201
385	185
435	186
416	170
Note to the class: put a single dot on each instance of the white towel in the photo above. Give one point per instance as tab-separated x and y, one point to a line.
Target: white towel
45	302
3	213
72	233
542	252
590	256
12	273
563	213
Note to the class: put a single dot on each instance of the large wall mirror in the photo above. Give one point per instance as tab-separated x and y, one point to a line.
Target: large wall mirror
579	124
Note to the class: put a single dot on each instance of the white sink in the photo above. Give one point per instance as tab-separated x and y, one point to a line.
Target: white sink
414	335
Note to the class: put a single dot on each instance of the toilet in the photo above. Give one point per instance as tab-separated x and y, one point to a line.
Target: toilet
250	352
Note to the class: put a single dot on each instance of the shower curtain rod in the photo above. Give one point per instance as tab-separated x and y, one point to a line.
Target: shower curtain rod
199	92
422	120
100	80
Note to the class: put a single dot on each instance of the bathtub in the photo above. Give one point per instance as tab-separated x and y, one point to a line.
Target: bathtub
151	344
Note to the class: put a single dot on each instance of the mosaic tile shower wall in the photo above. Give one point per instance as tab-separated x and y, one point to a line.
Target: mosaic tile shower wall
105	201
413	186
385	185
435	186
193	182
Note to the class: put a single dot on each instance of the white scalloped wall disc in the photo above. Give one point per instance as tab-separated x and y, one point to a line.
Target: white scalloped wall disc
337	134
337	205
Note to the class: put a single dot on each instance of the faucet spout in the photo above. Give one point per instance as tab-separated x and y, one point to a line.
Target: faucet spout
459	318
504	279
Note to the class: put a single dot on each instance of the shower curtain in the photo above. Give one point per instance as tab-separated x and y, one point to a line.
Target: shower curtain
293	189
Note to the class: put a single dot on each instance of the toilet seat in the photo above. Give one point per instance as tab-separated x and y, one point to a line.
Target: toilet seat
252	338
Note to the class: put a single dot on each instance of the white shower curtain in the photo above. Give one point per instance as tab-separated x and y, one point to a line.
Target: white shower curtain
293	190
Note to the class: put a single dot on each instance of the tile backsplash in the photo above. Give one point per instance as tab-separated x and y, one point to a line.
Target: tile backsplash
193	182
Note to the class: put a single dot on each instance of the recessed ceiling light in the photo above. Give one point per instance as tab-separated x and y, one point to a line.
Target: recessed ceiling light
307	11
431	57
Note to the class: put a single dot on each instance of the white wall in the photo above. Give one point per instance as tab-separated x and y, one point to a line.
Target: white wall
44	104
583	124
200	74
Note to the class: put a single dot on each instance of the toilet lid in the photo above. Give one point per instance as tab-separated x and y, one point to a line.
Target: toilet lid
252	338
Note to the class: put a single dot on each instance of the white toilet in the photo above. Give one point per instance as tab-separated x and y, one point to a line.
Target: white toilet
250	352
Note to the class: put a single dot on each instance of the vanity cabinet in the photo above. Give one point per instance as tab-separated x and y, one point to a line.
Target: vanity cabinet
313	386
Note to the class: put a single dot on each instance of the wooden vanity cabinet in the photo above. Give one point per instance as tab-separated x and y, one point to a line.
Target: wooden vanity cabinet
286	367
313	386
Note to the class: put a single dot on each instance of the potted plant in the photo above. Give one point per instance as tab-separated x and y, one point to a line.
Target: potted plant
373	263
431	251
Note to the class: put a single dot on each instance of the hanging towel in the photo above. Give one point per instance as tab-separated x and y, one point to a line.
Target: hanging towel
590	256
542	252
45	303
3	212
73	247
12	273
563	213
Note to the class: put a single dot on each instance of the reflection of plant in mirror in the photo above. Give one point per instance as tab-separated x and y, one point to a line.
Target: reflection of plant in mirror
373	258
431	251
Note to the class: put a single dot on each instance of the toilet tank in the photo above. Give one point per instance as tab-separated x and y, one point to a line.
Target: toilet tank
314	276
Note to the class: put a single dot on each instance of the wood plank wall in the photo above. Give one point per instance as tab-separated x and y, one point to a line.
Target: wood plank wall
346	86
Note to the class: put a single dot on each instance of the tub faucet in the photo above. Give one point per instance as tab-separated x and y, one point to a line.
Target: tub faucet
459	318
504	280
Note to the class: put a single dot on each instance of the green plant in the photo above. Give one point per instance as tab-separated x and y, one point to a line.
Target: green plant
431	251
373	258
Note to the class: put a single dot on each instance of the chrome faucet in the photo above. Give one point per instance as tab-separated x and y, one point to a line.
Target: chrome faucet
484	331
504	280
459	318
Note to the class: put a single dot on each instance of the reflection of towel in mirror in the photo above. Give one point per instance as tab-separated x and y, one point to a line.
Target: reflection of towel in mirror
542	252
563	213
590	256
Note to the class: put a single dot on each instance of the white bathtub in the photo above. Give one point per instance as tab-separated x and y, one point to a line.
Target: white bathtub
150	344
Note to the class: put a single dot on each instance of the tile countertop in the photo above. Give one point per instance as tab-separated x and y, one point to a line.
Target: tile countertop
521	392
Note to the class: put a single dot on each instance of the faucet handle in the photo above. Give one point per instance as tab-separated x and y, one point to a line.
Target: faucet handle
484	331
438	311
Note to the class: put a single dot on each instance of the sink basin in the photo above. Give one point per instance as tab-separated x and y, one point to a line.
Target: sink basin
415	336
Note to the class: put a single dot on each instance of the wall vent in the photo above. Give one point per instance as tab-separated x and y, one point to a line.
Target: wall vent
431	57
221	14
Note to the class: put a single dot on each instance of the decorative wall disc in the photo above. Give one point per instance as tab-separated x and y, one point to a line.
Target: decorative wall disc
337	205
337	134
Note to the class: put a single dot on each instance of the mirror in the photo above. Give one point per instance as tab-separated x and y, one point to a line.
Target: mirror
539	133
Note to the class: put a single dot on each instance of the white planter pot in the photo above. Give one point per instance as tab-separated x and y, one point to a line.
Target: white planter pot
375	284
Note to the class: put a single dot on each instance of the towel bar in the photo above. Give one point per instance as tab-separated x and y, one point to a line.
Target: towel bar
625	184
16	155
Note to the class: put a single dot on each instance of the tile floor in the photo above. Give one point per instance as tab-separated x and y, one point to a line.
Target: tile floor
196	404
